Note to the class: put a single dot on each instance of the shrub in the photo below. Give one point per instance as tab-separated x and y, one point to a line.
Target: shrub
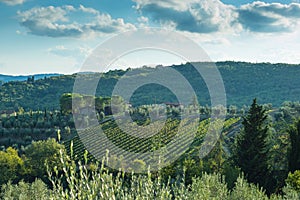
25	191
293	180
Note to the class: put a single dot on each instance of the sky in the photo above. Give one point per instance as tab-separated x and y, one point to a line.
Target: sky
56	36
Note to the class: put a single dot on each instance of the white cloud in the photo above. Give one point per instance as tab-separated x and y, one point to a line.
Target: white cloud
143	22
199	16
60	22
269	17
143	19
210	16
88	10
173	4
12	2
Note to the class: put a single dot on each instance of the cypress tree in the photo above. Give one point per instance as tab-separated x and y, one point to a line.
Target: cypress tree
294	150
252	149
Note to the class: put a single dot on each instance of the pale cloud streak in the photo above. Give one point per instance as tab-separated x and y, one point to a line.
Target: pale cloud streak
63	51
12	2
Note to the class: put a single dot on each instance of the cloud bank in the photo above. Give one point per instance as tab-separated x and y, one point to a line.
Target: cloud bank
269	17
209	16
193	16
201	16
68	21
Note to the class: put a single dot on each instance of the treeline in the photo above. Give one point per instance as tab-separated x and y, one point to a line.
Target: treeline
24	127
271	83
83	104
8	78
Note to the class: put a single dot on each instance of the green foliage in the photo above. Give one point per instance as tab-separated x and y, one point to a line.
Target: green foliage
294	151
139	165
131	143
11	165
216	158
293	180
82	101
101	184
244	190
25	191
211	186
231	173
65	102
80	182
35	125
140	115
289	193
46	93
188	166
252	152
40	153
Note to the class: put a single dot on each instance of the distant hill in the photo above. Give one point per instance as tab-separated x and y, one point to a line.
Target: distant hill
270	83
7	78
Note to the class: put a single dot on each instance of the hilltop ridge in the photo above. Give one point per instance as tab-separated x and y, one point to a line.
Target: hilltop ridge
270	83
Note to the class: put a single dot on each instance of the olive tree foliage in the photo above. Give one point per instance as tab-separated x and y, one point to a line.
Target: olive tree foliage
293	180
25	191
99	183
42	153
11	165
85	182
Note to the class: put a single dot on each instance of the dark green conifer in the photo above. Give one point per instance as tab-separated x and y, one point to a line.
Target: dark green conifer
294	150
252	152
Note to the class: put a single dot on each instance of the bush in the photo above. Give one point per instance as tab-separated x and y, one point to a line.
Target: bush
246	191
209	187
11	165
293	180
25	191
42	152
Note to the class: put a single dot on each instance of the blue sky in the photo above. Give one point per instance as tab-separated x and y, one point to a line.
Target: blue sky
43	36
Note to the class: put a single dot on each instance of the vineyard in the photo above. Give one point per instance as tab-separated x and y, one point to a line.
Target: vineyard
123	140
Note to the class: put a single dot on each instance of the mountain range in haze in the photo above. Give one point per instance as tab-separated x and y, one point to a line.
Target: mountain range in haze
7	78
